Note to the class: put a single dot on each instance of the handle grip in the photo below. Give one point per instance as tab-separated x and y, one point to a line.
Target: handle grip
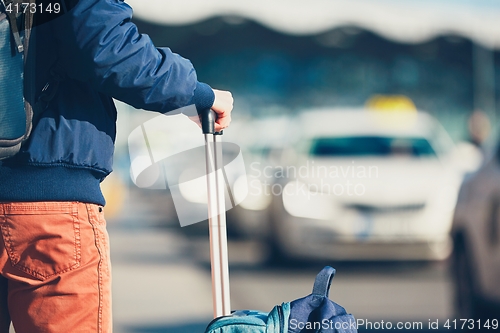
208	118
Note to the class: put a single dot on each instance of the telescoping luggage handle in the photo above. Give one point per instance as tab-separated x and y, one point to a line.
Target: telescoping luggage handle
216	215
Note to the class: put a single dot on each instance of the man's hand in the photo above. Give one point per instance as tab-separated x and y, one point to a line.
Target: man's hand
223	105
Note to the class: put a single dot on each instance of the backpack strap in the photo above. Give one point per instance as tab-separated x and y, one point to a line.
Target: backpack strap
29	69
323	281
10	10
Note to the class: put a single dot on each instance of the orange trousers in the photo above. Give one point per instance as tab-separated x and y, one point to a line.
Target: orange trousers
55	273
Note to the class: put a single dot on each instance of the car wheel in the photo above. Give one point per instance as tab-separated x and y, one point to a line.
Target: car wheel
466	300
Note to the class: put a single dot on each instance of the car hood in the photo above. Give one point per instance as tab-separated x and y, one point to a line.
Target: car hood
382	182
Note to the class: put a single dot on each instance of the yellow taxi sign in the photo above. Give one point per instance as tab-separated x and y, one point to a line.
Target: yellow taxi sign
396	103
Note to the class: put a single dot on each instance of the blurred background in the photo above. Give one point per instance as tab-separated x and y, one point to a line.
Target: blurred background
369	135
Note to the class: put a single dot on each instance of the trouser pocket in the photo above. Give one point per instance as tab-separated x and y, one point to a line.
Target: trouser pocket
42	239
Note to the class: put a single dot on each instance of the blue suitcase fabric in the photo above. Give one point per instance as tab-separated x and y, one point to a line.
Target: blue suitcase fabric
315	313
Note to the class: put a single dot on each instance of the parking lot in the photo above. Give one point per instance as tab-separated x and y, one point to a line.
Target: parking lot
161	278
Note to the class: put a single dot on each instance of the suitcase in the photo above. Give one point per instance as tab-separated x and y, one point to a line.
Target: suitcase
313	313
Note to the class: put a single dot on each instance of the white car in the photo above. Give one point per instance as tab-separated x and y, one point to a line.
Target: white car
366	185
476	237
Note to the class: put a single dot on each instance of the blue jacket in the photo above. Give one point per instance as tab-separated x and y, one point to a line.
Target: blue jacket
101	55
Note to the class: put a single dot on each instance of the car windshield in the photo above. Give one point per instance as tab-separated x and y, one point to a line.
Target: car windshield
371	146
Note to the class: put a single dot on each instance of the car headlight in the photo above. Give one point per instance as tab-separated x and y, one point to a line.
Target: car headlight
299	201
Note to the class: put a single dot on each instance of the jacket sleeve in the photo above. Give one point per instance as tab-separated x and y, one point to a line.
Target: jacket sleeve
98	44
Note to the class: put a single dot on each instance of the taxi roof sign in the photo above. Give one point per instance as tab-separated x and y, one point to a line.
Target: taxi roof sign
394	103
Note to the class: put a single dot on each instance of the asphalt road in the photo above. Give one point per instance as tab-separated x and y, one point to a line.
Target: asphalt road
161	278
